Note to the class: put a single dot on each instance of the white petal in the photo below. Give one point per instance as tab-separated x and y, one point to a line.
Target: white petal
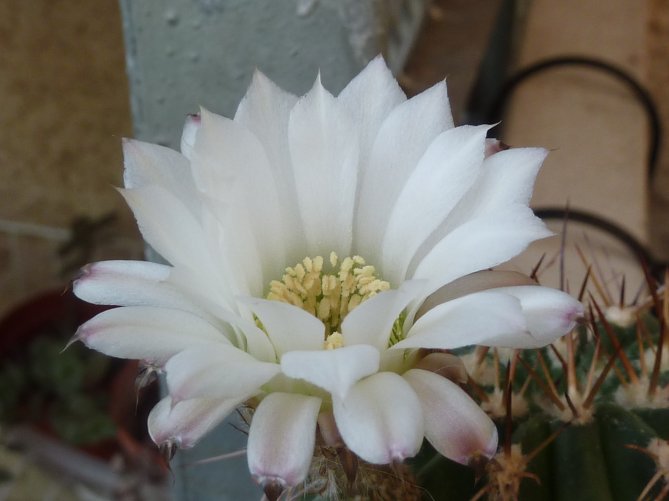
402	139
372	321
481	243
443	175
216	371
474	282
333	370
191	126
454	424
149	164
186	422
98	281
487	318
288	327
225	155
397	360
324	153
258	344
504	186
230	166
235	246
368	99
138	283
549	313
133	283
146	333
506	178
282	437
381	419
265	111
188	242
168	226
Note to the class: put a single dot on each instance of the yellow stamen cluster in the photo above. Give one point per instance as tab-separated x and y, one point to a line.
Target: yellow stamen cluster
331	295
334	341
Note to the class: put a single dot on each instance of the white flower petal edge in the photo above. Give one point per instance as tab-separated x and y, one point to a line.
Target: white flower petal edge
134	283
549	313
288	327
381	419
443	175
149	164
282	438
488	318
515	317
184	423
216	371
480	243
333	370
475	282
454	424
147	333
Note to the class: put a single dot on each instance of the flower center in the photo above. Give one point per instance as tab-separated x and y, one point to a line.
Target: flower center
328	294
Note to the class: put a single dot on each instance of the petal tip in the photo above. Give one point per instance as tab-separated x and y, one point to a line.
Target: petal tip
272	487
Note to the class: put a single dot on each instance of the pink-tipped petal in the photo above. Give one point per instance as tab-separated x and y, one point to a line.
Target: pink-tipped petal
549	313
475	282
133	283
454	424
216	371
488	318
191	126
333	370
493	146
380	419
147	333
282	437
184	423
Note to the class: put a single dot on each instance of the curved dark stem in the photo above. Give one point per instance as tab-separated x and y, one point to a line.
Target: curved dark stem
494	113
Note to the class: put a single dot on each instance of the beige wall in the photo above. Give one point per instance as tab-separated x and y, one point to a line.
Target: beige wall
63	110
658	78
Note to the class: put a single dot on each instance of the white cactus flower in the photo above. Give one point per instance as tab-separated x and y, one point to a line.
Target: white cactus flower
303	238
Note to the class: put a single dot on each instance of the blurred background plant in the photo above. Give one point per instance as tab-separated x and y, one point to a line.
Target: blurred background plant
67	410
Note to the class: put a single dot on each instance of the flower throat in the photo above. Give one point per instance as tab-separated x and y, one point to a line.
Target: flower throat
330	294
